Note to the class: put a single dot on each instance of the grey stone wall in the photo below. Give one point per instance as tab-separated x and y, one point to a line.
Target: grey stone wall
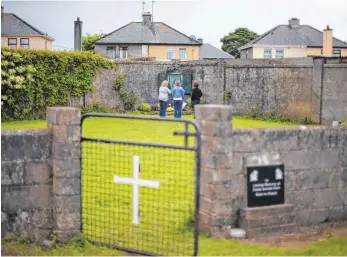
26	182
40	178
315	161
297	88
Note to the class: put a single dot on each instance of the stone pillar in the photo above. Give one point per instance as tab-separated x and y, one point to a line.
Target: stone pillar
66	152
218	182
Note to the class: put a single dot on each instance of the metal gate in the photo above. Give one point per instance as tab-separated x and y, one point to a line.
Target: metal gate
139	194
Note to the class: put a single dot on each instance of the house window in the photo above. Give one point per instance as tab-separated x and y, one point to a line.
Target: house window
337	53
24	43
123	52
267	53
279	53
111	52
12	42
170	54
182	54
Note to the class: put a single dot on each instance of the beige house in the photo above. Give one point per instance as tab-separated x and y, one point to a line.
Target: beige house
17	33
293	41
148	39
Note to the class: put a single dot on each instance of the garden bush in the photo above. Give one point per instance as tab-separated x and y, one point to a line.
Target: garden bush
32	80
144	107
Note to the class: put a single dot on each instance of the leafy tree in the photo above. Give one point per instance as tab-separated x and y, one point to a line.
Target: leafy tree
236	39
88	41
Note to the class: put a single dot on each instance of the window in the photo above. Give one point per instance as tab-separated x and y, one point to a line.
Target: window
337	53
170	54
279	53
267	53
12	42
24	43
182	54
123	52
111	52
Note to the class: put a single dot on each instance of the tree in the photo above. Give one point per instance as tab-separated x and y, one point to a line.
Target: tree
88	41
236	39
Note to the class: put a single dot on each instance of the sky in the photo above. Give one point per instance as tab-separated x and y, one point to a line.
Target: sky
207	19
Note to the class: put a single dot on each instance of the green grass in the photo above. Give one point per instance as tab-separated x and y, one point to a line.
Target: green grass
165	213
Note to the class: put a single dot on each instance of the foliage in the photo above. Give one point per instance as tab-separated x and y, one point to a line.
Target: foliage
170	109
120	82
129	99
153	102
95	107
32	80
88	41
236	39
227	94
308	121
145	107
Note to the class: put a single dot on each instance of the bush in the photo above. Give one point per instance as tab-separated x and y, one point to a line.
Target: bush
145	107
120	82
95	107
32	80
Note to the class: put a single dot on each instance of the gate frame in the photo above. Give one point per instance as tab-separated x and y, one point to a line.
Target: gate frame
186	134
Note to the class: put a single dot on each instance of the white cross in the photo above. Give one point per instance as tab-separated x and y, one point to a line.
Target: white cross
136	183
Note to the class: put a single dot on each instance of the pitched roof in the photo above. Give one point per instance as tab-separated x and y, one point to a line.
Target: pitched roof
11	24
286	35
208	51
139	33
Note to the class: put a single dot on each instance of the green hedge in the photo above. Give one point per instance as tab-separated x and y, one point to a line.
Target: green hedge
35	79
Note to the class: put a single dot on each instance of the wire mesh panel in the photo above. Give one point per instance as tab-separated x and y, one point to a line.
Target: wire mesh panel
140	196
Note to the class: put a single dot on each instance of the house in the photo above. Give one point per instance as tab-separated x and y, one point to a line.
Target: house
17	33
292	41
208	52
148	39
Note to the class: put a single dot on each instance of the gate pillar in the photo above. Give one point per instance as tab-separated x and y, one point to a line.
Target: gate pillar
216	168
66	164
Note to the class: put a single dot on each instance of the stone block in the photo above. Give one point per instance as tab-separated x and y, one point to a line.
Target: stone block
37	146
311	159
338	178
271	231
216	208
301	200
27	197
343	157
216	161
338	214
74	133
312	138
66	186
216	129
313	179
38	234
69	168
12	173
257	213
328	198
216	145
64	151
271	221
246	140
290	182
330	139
63	115
38	172
216	176
224	189
67	235
342	138
280	139
59	133
311	217
68	221
218	113
42	219
68	204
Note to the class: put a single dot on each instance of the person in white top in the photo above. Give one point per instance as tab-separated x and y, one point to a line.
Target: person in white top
163	97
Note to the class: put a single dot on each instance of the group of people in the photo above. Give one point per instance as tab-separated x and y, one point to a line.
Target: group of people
177	96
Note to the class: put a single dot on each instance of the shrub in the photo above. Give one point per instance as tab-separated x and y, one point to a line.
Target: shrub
308	121
227	94
120	82
95	107
32	80
144	107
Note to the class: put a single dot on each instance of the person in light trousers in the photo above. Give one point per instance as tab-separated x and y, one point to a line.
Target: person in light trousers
163	97
177	95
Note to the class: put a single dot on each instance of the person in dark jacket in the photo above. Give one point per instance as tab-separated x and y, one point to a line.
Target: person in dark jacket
196	94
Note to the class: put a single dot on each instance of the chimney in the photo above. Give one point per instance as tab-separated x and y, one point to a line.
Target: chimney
328	41
200	40
2	11
294	23
147	19
78	35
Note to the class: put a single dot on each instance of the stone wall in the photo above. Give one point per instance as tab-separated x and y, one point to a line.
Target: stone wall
26	182
315	161
40	177
297	88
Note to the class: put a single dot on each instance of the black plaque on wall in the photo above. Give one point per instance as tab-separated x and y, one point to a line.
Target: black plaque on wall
265	185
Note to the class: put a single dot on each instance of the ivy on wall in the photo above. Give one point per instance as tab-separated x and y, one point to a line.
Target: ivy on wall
32	80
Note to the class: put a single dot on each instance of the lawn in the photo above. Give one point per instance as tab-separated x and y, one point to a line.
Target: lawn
165	213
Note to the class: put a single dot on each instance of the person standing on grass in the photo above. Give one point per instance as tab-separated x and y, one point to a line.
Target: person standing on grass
163	97
177	95
196	94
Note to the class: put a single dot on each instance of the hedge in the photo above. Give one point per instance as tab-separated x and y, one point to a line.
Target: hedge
32	80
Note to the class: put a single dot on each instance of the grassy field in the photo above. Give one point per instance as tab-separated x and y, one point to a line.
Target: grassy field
165	213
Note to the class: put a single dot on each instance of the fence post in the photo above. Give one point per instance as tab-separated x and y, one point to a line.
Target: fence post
217	178
66	164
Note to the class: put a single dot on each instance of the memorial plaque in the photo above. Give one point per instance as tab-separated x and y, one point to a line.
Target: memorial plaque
265	185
